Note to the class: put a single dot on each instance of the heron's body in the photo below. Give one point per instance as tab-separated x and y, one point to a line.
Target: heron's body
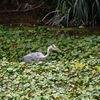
38	56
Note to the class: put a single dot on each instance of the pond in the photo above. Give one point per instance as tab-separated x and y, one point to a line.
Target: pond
72	76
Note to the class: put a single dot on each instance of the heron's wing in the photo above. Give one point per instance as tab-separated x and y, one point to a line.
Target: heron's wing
33	56
36	55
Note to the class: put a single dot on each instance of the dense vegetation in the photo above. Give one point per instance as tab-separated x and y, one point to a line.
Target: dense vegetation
60	12
76	12
74	76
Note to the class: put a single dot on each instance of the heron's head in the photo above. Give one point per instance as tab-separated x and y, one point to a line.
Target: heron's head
54	48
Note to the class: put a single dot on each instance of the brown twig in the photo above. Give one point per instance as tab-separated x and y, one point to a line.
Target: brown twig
24	10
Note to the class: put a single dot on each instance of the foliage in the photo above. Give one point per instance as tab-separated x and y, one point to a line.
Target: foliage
74	76
76	12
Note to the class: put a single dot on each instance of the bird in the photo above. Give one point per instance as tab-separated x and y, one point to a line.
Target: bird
39	56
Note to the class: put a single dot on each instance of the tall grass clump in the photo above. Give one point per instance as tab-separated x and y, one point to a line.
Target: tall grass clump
76	12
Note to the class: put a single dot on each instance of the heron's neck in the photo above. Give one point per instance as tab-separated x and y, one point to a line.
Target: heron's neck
48	53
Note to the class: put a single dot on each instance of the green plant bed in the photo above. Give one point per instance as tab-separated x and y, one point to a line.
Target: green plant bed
72	76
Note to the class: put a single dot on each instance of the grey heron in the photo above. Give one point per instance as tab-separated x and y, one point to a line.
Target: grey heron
38	56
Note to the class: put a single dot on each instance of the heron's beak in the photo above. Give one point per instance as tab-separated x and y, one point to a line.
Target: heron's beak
58	50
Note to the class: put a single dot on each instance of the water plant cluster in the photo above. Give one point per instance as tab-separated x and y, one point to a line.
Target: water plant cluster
72	76
75	13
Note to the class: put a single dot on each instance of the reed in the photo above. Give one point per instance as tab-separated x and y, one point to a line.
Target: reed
76	12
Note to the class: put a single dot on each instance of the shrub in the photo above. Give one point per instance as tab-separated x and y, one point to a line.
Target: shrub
76	12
